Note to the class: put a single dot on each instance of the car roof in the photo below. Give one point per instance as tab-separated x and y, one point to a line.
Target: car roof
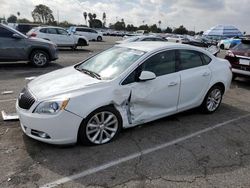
41	27
153	46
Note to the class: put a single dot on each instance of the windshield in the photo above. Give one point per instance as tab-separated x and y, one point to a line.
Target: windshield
242	47
111	63
131	39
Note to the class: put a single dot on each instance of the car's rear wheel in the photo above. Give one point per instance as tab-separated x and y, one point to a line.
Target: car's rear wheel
100	127
39	58
99	38
212	100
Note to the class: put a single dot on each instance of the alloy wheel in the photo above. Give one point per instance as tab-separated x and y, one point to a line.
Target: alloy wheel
214	99
102	127
40	59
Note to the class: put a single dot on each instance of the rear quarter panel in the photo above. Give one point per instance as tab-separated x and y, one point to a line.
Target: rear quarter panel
221	72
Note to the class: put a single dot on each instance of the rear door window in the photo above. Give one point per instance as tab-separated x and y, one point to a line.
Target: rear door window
189	59
51	31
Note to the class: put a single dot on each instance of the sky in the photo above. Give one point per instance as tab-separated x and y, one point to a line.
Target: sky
198	15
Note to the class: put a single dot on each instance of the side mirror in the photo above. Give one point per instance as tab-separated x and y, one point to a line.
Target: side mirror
147	75
16	36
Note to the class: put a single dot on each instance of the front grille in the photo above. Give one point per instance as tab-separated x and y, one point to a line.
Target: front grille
25	99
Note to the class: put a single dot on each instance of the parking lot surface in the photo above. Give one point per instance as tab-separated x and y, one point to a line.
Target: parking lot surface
189	149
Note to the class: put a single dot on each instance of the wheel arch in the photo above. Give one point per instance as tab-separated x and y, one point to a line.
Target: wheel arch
221	85
39	48
83	43
111	105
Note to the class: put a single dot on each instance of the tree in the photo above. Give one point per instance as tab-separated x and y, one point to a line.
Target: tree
23	20
153	28
143	27
94	16
65	24
85	17
180	30
12	19
43	14
18	14
131	27
118	26
168	30
104	19
96	23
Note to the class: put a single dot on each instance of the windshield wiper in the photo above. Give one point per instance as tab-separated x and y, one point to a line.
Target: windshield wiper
90	73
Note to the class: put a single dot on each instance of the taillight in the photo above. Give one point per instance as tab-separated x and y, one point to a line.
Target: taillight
230	53
33	34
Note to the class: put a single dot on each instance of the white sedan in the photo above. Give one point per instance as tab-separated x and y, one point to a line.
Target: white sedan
59	36
121	87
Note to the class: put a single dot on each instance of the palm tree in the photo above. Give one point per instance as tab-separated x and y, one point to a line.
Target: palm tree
18	14
159	23
94	16
85	17
104	19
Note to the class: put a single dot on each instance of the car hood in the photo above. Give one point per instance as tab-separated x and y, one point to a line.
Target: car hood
60	82
35	39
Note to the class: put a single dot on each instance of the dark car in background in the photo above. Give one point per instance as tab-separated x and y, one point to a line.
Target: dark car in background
239	57
15	46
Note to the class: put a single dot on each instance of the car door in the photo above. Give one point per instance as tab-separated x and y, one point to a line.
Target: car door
195	79
11	48
65	38
52	35
156	98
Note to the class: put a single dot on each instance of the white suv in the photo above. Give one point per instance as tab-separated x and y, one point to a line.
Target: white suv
59	36
91	34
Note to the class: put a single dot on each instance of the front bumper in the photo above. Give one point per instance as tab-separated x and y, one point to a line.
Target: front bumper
241	72
61	128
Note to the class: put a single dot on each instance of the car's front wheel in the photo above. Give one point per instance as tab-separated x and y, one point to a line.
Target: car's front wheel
100	127
212	100
39	58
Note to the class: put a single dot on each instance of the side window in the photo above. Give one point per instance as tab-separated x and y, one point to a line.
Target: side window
44	30
161	63
80	29
5	33
189	59
206	59
62	32
51	31
147	39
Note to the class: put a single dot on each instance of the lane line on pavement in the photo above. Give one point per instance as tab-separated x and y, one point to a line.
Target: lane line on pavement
7	100
137	154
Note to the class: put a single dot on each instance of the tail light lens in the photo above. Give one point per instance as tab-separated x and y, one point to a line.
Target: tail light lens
33	34
230	53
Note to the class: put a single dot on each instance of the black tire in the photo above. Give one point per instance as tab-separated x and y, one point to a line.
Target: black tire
82	133
204	106
99	38
222	46
73	47
81	42
39	58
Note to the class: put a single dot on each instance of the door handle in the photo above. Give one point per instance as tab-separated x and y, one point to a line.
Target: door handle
172	84
206	74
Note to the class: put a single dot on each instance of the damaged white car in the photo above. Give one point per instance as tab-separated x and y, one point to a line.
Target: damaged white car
124	86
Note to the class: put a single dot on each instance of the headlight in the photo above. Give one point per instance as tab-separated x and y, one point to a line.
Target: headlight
51	107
